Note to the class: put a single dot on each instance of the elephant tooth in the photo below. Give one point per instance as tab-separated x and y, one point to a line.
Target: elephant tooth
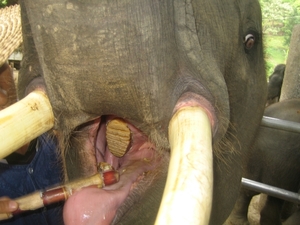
118	137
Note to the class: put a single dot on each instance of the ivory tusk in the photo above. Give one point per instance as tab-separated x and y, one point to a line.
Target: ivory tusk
187	197
23	121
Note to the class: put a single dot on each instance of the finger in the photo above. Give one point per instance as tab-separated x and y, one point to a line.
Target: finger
7	205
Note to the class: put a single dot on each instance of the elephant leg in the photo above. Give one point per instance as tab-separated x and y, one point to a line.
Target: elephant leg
239	213
270	214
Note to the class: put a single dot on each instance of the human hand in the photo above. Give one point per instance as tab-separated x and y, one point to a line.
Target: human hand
7	205
8	94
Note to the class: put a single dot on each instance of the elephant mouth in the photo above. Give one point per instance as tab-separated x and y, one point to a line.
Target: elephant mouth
92	205
190	173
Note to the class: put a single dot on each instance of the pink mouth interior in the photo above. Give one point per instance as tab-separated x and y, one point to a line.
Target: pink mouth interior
98	206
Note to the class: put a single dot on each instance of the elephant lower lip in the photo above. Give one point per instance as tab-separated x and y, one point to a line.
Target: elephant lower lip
99	206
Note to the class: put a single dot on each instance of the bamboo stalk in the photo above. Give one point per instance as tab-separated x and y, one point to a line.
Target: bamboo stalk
23	121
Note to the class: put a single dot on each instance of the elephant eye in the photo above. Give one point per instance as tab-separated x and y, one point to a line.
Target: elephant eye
249	41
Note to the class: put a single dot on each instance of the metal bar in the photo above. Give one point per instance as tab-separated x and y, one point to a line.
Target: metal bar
270	190
280	124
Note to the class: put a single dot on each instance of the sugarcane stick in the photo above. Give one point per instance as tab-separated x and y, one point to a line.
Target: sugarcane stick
46	197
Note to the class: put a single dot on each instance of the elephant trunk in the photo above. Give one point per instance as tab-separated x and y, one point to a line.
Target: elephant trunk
190	170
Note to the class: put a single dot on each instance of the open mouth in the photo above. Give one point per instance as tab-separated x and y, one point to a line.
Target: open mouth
127	150
190	176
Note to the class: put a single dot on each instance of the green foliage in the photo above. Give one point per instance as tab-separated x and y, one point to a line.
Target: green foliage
279	18
289	23
3	3
275	52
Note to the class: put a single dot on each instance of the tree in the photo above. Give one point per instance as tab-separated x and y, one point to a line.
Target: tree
274	13
279	18
288	26
291	21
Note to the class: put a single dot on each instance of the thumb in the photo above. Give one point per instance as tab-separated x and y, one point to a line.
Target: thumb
7	205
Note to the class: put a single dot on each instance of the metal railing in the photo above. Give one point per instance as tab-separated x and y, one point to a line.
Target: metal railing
280	124
268	189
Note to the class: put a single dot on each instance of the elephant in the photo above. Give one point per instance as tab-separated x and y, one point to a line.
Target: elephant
147	65
274	160
293	219
275	84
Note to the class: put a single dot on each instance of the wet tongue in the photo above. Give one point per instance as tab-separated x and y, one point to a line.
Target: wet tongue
93	206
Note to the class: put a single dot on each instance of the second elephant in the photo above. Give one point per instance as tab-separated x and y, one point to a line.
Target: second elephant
274	160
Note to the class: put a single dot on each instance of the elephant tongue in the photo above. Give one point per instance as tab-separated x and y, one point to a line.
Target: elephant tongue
92	206
98	206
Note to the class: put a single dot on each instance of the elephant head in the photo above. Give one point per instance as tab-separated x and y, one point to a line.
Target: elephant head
185	79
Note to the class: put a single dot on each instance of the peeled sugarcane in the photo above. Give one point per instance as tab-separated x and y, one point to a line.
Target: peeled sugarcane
60	193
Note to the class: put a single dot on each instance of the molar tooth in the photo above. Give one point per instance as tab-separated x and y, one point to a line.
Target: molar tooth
118	137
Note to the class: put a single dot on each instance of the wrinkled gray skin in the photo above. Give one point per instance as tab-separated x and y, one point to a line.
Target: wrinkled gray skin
135	59
294	218
275	83
275	161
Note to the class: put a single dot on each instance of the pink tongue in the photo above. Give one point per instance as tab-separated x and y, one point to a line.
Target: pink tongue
92	206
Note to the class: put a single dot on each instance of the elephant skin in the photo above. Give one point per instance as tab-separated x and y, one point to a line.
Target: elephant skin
293	219
274	160
141	61
275	84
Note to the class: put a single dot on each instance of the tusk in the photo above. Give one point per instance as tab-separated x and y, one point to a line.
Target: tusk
23	121
187	197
